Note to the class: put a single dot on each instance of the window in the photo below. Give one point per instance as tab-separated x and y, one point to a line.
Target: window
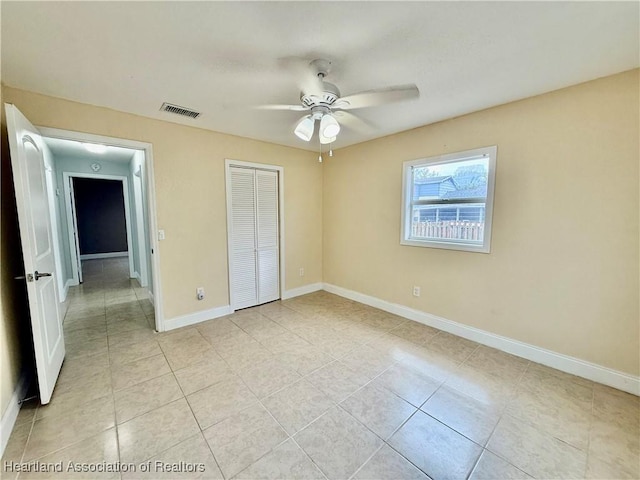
448	200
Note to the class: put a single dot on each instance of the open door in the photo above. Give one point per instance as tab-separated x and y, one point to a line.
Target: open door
27	161
74	225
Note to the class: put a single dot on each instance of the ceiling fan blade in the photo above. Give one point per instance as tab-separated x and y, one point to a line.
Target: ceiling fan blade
295	108
372	98
354	122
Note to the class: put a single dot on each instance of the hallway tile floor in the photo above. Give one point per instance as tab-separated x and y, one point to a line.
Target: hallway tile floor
315	387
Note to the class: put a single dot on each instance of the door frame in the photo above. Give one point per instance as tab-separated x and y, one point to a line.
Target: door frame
228	163
147	148
73	216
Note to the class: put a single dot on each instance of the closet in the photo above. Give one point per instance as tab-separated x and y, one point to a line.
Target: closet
253	232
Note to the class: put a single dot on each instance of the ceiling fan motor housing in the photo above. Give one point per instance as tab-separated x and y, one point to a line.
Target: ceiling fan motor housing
325	99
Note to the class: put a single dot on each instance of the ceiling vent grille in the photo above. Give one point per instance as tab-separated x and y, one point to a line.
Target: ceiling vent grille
185	112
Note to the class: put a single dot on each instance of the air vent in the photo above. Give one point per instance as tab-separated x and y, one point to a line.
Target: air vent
185	112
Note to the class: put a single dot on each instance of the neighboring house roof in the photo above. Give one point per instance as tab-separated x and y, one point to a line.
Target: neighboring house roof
428	180
476	192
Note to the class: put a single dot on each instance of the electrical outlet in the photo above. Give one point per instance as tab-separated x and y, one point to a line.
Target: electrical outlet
160	234
200	293
416	291
302	272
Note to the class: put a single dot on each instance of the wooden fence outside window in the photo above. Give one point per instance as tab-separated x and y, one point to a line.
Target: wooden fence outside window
449	229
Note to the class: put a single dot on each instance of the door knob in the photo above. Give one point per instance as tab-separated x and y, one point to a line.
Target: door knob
37	275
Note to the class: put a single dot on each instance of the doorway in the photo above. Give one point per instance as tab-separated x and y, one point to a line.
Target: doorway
106	308
99	219
82	158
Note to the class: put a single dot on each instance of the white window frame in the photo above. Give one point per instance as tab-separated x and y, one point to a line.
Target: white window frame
407	193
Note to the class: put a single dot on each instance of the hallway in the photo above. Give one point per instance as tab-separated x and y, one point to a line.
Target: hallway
106	291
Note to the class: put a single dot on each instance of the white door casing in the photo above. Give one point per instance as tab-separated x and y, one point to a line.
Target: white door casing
27	160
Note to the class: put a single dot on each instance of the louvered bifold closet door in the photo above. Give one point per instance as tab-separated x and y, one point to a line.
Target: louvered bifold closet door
244	289
268	235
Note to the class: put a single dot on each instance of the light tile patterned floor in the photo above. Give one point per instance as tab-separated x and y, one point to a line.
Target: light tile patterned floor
313	387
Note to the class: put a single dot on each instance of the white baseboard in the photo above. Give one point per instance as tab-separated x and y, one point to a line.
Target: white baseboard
196	317
204	315
10	415
65	289
94	256
575	366
138	277
296	292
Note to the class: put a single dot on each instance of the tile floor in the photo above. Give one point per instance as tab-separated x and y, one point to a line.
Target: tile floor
313	387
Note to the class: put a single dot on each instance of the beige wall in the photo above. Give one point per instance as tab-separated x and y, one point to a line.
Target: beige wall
563	269
190	191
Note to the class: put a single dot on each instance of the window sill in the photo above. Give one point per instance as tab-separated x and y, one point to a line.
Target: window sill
464	247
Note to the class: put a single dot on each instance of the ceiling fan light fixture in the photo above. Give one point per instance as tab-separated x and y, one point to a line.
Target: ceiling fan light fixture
329	126
324	140
304	128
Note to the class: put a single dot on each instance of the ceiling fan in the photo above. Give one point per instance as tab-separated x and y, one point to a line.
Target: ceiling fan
323	102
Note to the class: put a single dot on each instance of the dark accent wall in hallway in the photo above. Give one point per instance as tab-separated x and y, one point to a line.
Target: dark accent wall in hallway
101	219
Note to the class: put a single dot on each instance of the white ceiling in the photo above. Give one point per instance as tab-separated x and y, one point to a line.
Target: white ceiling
71	149
221	58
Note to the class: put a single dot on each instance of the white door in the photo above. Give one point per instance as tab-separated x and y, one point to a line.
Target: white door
253	237
27	160
138	203
74	226
244	289
267	236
